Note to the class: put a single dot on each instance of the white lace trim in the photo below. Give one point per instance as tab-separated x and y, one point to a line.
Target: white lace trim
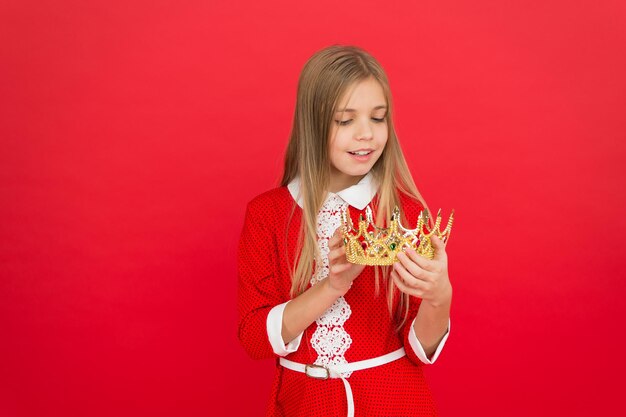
330	340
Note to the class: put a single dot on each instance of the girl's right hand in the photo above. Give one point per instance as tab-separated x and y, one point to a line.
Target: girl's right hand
341	272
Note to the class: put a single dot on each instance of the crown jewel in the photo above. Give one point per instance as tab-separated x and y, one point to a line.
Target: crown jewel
381	245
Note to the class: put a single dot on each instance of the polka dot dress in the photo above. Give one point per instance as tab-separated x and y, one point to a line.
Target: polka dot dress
357	327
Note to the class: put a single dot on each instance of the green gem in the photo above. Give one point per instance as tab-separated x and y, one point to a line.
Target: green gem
392	246
345	241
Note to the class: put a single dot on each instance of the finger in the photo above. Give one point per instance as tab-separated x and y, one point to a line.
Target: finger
336	238
354	269
405	288
414	281
440	248
358	268
339	268
444	239
337	255
421	261
413	267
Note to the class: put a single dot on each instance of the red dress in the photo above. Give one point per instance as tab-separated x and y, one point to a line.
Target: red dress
368	330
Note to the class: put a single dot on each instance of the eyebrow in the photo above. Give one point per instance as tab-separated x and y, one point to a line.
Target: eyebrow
354	111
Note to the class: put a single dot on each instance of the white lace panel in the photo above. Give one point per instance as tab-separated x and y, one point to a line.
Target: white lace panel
330	340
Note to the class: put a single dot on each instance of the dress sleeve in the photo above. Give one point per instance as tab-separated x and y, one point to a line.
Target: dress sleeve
260	299
412	345
418	349
274	332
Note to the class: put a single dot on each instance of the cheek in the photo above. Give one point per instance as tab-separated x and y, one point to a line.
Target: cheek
384	131
382	136
332	135
335	150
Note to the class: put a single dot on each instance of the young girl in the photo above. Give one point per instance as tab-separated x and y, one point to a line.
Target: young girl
348	339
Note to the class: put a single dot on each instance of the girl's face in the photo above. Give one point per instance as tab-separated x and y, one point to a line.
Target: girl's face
358	136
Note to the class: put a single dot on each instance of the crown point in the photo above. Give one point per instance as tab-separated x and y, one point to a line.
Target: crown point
381	247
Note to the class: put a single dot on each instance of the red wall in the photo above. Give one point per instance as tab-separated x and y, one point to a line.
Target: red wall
134	133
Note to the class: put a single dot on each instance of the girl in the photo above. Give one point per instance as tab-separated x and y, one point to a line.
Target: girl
348	339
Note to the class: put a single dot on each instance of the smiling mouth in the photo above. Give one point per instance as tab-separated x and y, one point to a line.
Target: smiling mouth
360	153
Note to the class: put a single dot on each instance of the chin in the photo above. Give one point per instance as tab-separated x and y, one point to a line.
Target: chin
358	172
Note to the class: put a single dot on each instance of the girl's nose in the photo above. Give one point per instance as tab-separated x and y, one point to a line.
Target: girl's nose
364	132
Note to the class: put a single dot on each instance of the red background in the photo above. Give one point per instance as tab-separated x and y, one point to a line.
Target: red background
134	133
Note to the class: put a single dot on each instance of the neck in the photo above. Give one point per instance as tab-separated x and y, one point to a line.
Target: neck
341	182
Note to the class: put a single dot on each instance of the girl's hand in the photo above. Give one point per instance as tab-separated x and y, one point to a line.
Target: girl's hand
341	272
420	277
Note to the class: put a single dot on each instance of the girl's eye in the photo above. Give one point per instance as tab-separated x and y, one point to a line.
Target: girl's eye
346	122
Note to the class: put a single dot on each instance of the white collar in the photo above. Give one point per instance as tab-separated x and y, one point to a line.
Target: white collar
358	195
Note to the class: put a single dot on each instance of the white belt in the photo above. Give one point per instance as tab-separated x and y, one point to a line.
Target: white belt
335	371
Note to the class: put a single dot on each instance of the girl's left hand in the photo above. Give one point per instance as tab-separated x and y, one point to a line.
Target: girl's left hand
424	278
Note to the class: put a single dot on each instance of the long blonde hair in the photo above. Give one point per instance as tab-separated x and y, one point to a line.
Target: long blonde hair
326	76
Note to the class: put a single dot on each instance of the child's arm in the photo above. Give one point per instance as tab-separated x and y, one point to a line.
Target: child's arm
258	288
431	326
428	281
303	310
261	299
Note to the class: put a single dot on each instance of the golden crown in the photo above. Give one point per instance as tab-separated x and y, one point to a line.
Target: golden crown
381	245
